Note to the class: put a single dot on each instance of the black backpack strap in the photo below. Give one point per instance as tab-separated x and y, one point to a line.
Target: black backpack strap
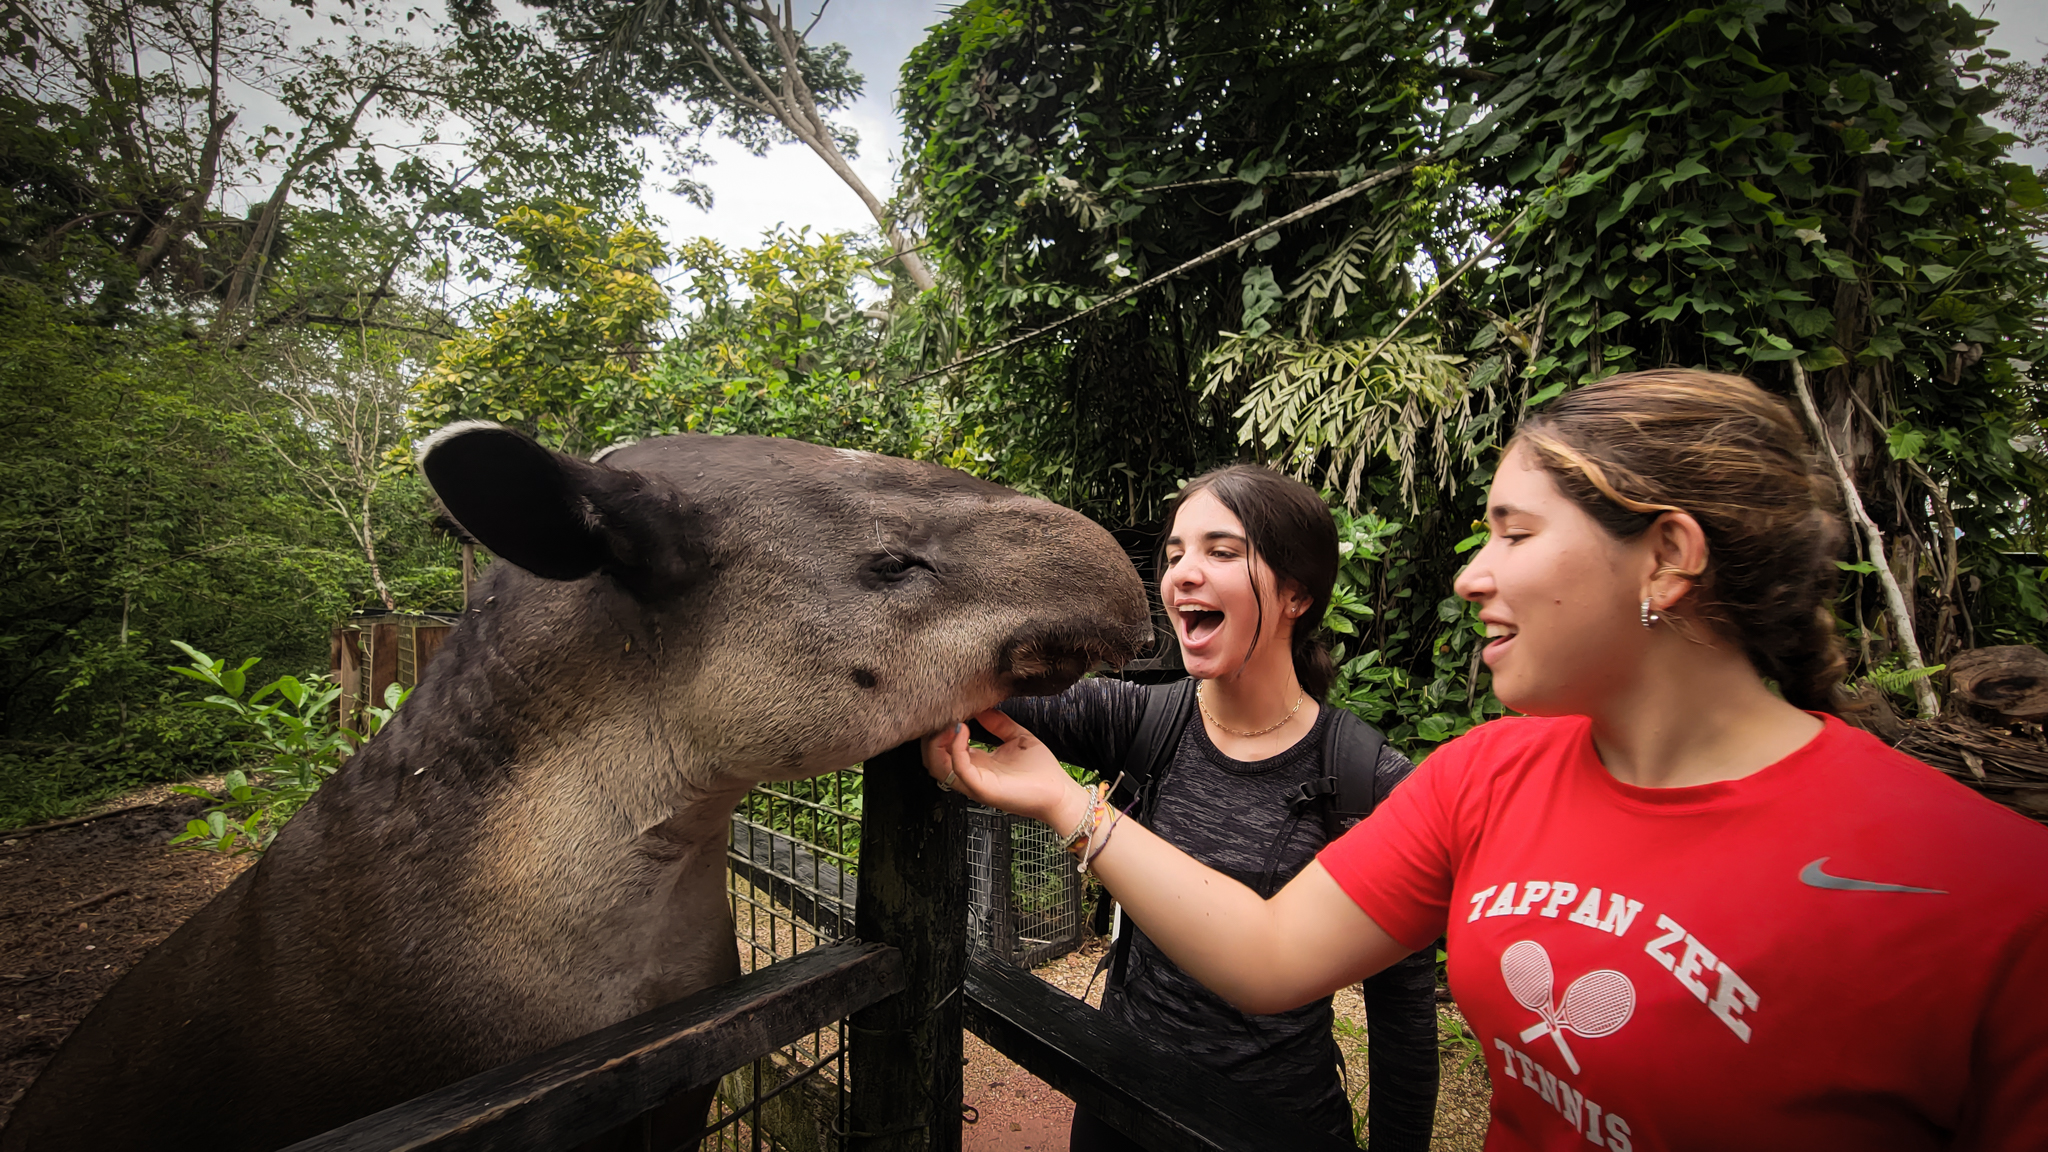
1168	707
1350	788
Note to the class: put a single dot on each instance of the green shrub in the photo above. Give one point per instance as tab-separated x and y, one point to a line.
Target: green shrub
296	736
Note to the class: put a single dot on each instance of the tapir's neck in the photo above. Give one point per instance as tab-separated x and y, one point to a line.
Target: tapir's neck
581	838
617	847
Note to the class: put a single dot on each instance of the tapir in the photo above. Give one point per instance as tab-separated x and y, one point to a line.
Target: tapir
534	847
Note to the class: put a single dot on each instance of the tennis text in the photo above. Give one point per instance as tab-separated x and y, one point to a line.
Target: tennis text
1603	1129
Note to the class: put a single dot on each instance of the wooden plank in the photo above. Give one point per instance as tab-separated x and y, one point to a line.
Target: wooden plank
594	1084
795	877
383	670
1155	1096
348	649
427	638
913	895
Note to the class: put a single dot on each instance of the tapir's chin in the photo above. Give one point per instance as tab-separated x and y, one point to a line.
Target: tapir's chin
1046	684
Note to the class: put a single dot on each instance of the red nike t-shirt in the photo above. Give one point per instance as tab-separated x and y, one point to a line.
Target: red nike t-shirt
1843	950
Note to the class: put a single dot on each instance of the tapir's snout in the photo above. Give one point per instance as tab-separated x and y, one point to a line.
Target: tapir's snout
1093	612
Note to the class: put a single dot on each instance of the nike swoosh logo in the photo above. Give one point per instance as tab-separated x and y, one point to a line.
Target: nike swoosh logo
1813	876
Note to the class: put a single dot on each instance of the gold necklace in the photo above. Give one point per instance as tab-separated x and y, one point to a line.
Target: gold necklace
1211	716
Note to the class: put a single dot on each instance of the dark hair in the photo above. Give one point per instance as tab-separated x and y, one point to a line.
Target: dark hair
1631	447
1290	529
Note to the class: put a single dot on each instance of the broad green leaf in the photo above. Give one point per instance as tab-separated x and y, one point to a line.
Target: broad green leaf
1822	359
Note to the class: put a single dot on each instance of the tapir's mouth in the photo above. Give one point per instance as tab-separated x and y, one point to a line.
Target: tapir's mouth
1043	662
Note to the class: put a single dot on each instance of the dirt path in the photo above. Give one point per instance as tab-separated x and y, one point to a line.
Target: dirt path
80	905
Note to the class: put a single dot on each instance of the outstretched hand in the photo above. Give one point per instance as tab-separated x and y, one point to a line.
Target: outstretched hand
1021	775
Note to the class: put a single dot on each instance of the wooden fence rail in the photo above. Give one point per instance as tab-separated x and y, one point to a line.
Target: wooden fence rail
602	1081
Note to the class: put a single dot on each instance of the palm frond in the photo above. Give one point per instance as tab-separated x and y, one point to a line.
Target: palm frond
1338	404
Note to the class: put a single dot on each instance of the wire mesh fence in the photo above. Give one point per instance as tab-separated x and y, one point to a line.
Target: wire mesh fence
1024	898
792	861
794	850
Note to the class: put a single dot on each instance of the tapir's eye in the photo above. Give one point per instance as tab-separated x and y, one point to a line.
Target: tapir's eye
893	568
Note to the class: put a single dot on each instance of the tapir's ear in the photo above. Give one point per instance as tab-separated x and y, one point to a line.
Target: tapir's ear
554	515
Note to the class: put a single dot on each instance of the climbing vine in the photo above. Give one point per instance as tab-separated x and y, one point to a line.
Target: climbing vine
1740	185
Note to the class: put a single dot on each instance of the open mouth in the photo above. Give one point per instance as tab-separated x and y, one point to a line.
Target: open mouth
1498	637
1198	624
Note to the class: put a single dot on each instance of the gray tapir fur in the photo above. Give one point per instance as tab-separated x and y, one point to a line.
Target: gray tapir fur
534	848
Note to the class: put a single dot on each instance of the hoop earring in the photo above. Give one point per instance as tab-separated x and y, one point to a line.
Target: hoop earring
1650	619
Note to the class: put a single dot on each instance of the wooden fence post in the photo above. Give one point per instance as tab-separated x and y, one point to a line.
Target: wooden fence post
905	1050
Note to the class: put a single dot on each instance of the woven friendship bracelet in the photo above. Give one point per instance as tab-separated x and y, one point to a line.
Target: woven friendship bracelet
1087	823
1095	849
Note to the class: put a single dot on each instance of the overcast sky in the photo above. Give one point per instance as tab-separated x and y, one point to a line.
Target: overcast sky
792	186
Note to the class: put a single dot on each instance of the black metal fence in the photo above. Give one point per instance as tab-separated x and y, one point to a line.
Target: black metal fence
1024	898
893	1005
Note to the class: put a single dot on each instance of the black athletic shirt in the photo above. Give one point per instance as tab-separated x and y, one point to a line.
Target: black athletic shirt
1228	814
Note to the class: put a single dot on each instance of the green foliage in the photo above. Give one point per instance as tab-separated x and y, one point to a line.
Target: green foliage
294	736
1742	185
823	812
775	341
700	56
2025	88
1456	1041
1347	404
1062	150
130	121
779	343
138	502
1372	613
1895	678
566	358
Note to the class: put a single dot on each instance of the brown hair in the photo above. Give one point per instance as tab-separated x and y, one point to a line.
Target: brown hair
1291	530
1631	447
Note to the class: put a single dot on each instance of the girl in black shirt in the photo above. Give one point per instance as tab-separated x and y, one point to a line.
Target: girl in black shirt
1247	566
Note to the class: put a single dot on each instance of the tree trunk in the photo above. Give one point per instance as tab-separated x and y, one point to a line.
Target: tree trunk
797	109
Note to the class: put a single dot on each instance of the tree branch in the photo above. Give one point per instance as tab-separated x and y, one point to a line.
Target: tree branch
1895	599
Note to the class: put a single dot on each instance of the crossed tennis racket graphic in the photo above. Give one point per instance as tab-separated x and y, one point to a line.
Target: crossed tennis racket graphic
1595	1005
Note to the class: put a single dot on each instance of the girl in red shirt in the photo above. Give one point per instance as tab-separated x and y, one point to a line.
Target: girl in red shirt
1684	910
